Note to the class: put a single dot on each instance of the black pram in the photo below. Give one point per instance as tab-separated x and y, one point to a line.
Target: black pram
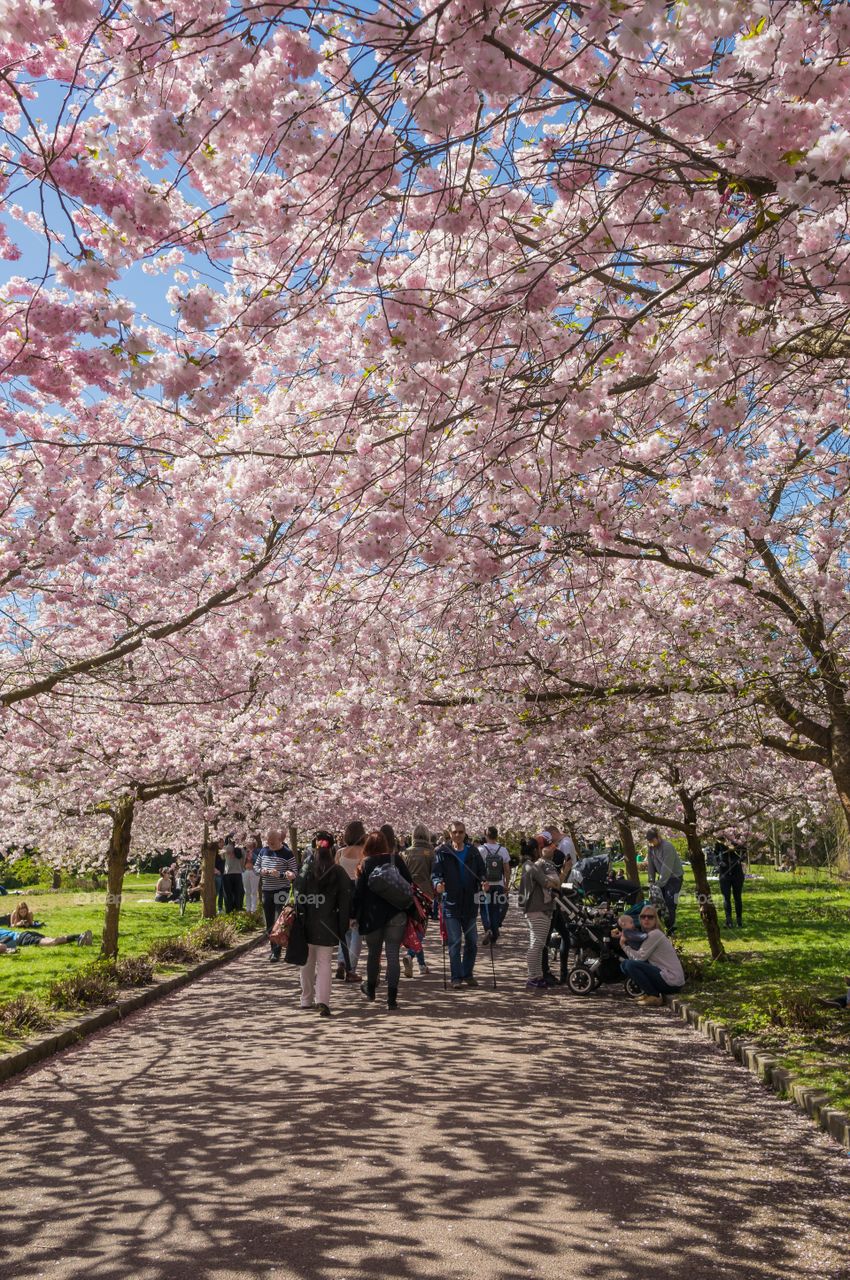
594	878
586	931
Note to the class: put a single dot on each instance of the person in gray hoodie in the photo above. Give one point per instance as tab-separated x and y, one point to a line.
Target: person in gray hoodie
537	887
665	864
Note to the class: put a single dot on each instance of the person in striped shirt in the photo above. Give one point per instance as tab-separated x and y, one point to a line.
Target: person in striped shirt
277	866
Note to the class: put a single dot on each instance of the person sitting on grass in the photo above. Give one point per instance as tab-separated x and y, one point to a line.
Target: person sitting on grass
11	939
839	1002
654	965
164	891
22	917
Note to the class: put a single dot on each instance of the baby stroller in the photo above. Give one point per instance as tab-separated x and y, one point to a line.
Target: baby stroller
598	957
594	878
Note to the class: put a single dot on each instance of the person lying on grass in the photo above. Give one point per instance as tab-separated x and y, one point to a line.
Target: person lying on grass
22	918
654	965
840	1002
11	939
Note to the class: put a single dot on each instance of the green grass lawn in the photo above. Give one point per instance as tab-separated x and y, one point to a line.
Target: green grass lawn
794	947
31	969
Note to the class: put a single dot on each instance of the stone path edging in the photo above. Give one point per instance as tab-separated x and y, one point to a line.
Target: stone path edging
814	1102
11	1064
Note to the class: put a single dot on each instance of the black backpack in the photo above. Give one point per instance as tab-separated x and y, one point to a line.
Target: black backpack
494	866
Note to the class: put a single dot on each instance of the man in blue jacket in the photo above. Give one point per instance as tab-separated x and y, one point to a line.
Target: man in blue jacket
458	876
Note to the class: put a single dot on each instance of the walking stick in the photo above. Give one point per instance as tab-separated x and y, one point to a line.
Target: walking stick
444	936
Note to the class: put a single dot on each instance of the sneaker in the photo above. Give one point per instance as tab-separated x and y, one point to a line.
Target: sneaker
339	976
274	955
324	1011
423	968
354	976
550	980
85	939
304	1007
650	1000
536	984
364	991
485	939
408	966
457	985
470	981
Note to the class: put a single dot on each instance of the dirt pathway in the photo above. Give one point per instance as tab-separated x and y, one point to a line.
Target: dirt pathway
225	1135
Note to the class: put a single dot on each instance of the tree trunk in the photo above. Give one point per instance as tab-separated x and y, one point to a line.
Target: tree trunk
292	836
841	778
116	865
707	909
209	849
627	840
56	883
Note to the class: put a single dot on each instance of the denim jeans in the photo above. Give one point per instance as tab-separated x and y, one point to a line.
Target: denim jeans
494	908
348	952
461	962
648	977
670	893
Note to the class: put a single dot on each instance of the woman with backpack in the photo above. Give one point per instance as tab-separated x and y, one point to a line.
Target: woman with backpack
322	897
381	913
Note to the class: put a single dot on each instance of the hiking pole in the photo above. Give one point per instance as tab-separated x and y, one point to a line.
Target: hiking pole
444	937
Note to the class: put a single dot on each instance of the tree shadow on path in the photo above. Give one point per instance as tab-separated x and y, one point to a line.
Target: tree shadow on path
224	1135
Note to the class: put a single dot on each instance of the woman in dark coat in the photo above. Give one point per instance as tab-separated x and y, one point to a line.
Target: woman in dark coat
322	896
380	923
729	860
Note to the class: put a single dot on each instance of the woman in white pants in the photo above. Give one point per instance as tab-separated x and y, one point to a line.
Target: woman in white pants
537	898
250	878
322	897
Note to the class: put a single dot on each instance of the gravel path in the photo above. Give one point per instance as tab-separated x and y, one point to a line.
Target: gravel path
225	1135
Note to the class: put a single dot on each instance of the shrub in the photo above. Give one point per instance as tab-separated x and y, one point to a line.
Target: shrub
22	1015
214	935
181	950
133	971
88	988
245	922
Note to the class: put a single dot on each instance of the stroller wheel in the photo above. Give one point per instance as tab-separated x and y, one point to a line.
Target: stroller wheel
580	981
632	989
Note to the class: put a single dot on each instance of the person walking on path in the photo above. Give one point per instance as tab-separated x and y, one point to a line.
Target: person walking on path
494	899
654	965
729	861
458	876
349	858
537	887
322	897
232	878
380	922
665	864
419	859
250	877
276	866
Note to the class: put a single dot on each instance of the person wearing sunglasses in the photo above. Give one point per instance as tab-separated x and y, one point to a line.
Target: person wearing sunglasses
653	965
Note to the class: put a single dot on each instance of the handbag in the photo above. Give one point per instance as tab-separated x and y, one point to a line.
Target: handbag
296	948
282	927
387	882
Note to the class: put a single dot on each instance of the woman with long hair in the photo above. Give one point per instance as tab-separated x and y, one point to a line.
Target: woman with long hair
349	858
381	924
322	897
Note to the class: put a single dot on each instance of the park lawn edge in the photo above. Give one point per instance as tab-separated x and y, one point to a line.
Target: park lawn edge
72	1029
812	1100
